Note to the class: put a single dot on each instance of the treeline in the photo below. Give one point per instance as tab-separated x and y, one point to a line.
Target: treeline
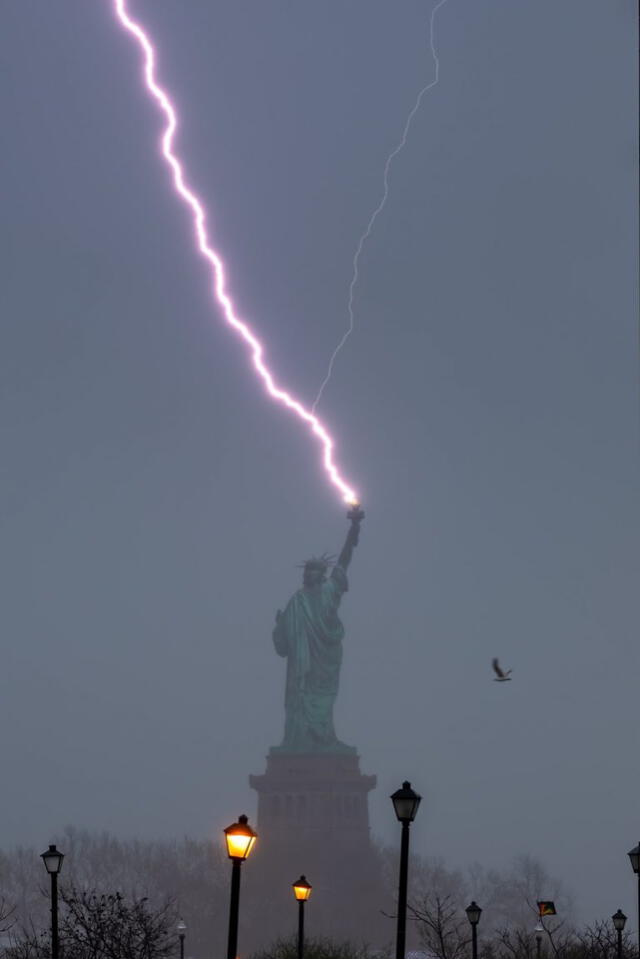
187	877
122	900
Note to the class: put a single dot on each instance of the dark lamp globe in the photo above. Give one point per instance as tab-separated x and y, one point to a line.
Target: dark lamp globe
618	919
473	912
405	802
52	859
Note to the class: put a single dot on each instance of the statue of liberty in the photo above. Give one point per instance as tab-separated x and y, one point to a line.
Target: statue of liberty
309	635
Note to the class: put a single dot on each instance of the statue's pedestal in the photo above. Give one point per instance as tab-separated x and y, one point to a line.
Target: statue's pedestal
311	798
313	818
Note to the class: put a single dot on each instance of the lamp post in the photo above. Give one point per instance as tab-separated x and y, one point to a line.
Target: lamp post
52	859
240	839
181	929
474	912
634	858
405	803
538	931
619	919
302	891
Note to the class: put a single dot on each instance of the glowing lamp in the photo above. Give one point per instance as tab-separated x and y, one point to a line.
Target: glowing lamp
302	889
405	803
52	859
240	839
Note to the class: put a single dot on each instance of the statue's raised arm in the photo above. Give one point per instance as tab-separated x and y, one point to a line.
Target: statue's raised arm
356	515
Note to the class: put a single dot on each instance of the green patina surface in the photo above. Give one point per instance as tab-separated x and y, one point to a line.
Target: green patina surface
309	635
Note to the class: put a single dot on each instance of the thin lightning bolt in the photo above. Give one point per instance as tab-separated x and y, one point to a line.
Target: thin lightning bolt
218	273
380	207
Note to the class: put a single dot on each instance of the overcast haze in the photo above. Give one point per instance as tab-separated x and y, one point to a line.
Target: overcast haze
155	504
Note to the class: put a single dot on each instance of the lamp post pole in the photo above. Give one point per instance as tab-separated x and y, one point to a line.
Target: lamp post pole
54	916
638	875
182	928
234	910
405	803
634	858
619	919
401	931
538	931
474	912
240	839
302	891
301	929
52	859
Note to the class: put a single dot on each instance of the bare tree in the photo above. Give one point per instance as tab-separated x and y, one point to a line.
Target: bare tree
509	901
317	949
509	943
193	873
443	929
108	926
599	941
7	916
103	926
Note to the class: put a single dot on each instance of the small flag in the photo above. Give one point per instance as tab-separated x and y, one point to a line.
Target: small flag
546	907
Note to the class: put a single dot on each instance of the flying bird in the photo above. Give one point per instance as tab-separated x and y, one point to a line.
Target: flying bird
501	676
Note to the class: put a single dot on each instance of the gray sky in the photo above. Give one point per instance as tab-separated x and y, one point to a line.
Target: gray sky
155	504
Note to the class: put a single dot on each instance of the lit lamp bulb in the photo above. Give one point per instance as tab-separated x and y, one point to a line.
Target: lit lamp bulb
302	889
240	839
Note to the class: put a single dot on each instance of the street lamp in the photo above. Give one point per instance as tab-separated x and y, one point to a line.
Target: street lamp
52	859
405	803
538	931
302	891
474	912
181	929
240	839
619	919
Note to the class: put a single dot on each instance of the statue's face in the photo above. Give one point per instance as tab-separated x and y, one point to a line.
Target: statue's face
313	576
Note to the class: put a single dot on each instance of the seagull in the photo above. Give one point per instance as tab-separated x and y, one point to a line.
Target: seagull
501	676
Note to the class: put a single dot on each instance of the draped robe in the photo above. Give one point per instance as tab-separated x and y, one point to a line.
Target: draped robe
309	634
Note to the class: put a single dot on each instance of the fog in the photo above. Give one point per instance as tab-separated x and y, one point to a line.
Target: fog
156	504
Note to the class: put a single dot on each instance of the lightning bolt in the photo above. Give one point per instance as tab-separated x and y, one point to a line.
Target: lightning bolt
218	272
355	275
